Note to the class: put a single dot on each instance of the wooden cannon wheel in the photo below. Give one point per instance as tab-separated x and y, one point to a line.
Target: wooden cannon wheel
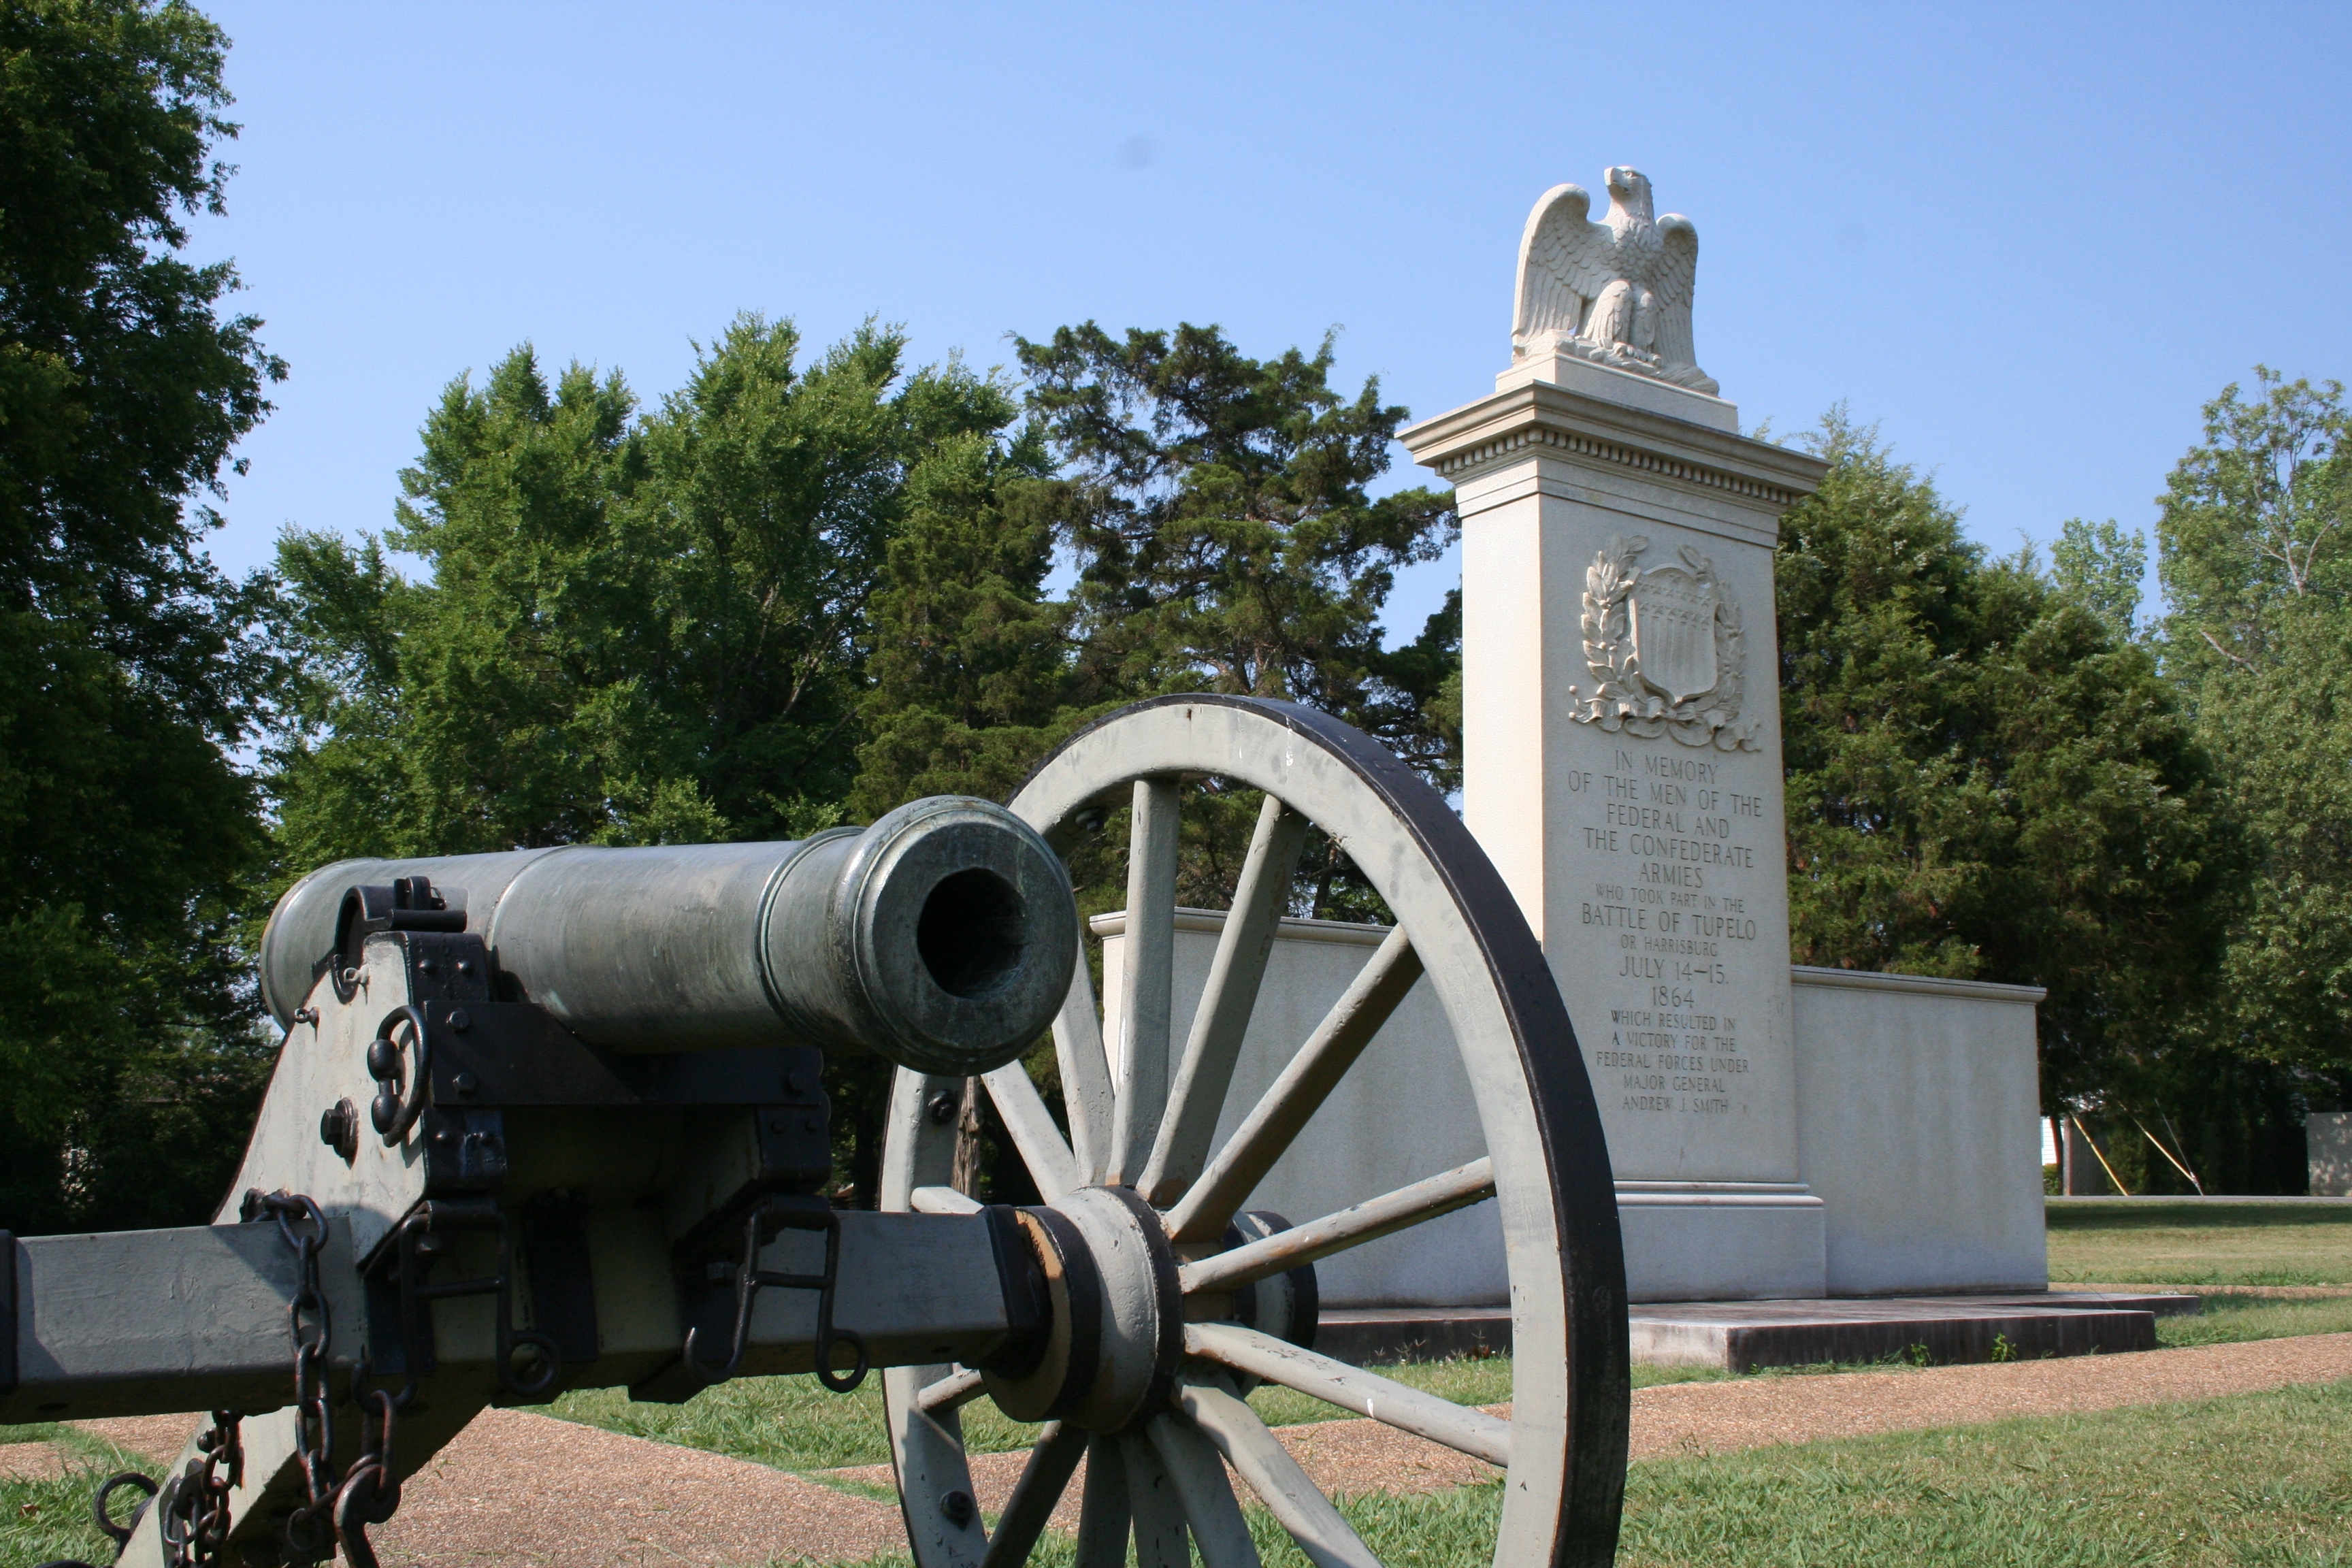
1171	1297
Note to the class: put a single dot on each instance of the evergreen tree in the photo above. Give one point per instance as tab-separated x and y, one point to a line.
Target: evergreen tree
128	674
971	666
1985	781
1218	512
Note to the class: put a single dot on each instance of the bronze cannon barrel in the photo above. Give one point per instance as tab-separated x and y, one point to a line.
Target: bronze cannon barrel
942	937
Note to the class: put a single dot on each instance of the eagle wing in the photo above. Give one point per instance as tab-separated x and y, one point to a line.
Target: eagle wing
1677	274
1564	260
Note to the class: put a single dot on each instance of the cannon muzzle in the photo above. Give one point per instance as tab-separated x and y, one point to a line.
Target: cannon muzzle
942	937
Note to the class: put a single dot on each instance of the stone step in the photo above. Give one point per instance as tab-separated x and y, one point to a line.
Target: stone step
1740	1336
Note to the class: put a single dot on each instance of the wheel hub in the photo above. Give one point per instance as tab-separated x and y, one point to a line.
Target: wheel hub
1117	1316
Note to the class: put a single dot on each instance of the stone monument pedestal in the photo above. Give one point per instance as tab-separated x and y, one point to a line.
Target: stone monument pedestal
1622	766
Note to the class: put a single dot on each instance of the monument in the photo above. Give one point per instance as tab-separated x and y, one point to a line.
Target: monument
1775	1133
1622	735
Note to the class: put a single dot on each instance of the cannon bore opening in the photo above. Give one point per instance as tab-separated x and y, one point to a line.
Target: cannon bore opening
968	933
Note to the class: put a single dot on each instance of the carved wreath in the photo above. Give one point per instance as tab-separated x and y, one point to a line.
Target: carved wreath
1625	700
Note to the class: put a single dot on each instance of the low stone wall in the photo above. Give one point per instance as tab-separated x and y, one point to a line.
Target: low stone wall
1918	1123
1917	1129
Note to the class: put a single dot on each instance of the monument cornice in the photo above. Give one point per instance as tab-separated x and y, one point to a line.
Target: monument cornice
1541	420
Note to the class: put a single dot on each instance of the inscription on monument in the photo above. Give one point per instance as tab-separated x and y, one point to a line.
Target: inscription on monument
1680	848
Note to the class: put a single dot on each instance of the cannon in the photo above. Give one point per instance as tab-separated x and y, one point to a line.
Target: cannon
556	1119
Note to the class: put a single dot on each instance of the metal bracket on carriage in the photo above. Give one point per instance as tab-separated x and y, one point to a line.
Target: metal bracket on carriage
401	1273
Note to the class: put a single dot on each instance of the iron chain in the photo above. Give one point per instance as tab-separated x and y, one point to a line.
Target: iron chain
333	1509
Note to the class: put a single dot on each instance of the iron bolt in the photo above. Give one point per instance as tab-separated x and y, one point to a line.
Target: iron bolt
465	966
467	1083
339	1129
958	1507
942	1109
460	1022
427	966
812	1123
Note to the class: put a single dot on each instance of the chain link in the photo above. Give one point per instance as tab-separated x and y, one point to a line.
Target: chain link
195	1526
332	1510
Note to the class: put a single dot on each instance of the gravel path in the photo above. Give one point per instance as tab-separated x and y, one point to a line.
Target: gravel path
523	1489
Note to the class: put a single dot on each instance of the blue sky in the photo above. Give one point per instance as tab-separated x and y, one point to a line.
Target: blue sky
2029	242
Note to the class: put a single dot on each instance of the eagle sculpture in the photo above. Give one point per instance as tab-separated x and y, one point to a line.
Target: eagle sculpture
1618	293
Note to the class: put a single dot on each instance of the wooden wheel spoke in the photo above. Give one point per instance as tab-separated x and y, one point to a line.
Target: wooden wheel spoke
1085	1074
1218	1526
1148	982
1103	1512
1408	1409
941	1200
1051	1463
953	1392
1319	1238
1162	1539
1259	1458
1292	1099
1227	1000
1050	1162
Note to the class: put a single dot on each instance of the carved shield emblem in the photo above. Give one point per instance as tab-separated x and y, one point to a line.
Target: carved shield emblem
1673	632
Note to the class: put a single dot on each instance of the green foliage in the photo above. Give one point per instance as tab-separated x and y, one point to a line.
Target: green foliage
128	670
2100	567
2254	525
1984	781
1218	509
2258	568
970	665
635	629
1218	512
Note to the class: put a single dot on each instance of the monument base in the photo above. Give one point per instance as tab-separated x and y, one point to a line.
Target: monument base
1623	387
1722	1240
1742	1336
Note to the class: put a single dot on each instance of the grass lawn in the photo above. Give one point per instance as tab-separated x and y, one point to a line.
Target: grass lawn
2225	1320
2201	1243
2256	1478
40	1520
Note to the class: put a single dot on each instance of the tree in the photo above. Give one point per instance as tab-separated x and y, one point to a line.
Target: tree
2258	568
971	677
2100	567
128	670
1985	781
635	628
1218	511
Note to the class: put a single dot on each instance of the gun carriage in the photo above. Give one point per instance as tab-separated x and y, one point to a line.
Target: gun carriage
556	1119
